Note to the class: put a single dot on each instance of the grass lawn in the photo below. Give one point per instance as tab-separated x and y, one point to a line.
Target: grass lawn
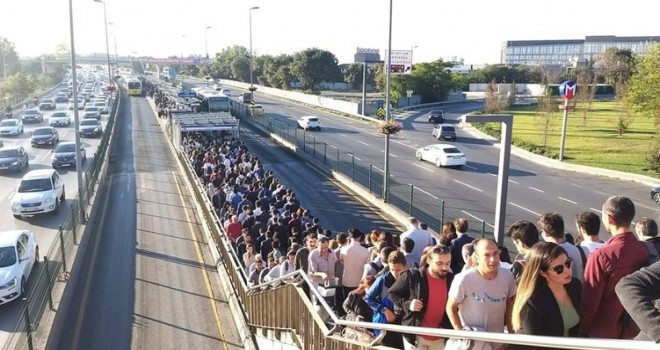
593	141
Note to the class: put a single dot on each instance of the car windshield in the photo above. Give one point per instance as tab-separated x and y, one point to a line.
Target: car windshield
8	153
9	122
35	185
7	256
31	111
65	148
447	128
47	101
58	115
313	119
88	123
42	132
91	109
451	150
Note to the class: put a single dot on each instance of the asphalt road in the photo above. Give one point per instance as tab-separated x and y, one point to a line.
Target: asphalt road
44	226
150	281
469	192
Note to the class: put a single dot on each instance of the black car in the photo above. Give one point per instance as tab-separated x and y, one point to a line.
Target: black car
32	115
13	158
655	194
47	105
45	135
437	116
90	127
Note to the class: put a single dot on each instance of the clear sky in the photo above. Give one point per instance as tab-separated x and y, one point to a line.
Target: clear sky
469	29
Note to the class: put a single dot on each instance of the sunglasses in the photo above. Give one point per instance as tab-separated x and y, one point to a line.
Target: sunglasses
559	269
441	249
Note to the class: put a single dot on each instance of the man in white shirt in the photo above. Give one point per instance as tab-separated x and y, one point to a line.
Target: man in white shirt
422	238
353	256
588	226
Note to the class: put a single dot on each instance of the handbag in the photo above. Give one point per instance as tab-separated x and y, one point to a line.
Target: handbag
357	333
467	344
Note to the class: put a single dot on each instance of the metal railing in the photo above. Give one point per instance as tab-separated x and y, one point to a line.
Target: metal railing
55	264
283	305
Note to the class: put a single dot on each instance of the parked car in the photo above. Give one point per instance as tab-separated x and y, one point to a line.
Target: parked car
437	116
442	155
92	112
11	127
13	158
40	191
45	135
32	115
444	132
65	154
655	194
309	122
59	119
19	253
47	104
90	127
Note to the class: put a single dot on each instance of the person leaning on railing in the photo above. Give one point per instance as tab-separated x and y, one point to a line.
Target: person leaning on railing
548	298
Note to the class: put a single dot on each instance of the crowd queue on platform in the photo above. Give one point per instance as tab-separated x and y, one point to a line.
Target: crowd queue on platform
557	285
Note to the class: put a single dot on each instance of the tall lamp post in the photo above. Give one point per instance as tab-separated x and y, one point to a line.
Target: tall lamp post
107	46
251	59
206	40
114	38
76	120
386	167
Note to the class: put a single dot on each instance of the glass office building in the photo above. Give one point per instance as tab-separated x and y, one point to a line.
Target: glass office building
570	52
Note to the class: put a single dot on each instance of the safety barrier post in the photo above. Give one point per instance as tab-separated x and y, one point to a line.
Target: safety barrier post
338	161
410	206
304	142
314	147
483	228
28	322
62	248
371	166
442	214
50	289
73	225
325	150
353	167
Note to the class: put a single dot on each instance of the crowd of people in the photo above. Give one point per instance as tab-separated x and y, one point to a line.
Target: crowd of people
558	285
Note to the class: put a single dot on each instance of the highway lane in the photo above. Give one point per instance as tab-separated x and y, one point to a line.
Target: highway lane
533	188
44	226
150	281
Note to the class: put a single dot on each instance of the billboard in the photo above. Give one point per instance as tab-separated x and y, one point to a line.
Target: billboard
401	62
363	55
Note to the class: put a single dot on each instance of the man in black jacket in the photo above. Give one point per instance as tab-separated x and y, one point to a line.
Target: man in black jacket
420	298
639	293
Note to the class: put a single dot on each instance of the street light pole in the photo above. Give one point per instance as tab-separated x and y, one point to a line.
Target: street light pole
114	38
251	59
206	40
76	120
386	168
107	45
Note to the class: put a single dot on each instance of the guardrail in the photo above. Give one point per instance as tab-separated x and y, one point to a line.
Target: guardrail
283	305
58	258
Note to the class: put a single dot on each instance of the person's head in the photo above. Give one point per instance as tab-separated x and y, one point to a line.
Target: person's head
271	261
373	237
551	226
587	223
467	252
397	263
342	238
277	244
250	248
461	225
323	245
408	245
384	252
448	229
547	263
646	228
524	235
311	241
618	213
355	235
291	256
423	226
386	236
412	223
333	244
439	260
364	285
487	255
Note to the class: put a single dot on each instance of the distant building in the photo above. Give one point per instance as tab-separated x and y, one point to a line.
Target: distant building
570	53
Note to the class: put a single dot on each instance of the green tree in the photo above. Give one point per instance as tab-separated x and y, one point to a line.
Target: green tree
623	117
643	95
491	99
232	63
586	82
354	74
276	71
62	50
380	79
432	81
11	60
546	108
313	66
615	65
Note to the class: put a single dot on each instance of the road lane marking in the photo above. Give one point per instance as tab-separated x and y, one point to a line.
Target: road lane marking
353	155
421	190
567	200
470	186
344	135
525	209
515	182
536	189
335	147
379	169
404	144
202	266
476	218
491	174
470	167
392	154
364	143
423	167
596	210
43	159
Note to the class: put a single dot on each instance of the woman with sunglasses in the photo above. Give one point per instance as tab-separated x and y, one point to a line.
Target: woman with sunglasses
548	297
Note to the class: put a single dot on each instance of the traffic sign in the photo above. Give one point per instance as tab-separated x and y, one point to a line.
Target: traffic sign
568	89
401	61
187	94
380	103
380	112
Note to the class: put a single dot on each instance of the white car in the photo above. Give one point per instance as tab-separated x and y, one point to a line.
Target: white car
92	112
226	92
442	155
59	119
11	127
102	106
40	191
19	253
309	122
81	104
